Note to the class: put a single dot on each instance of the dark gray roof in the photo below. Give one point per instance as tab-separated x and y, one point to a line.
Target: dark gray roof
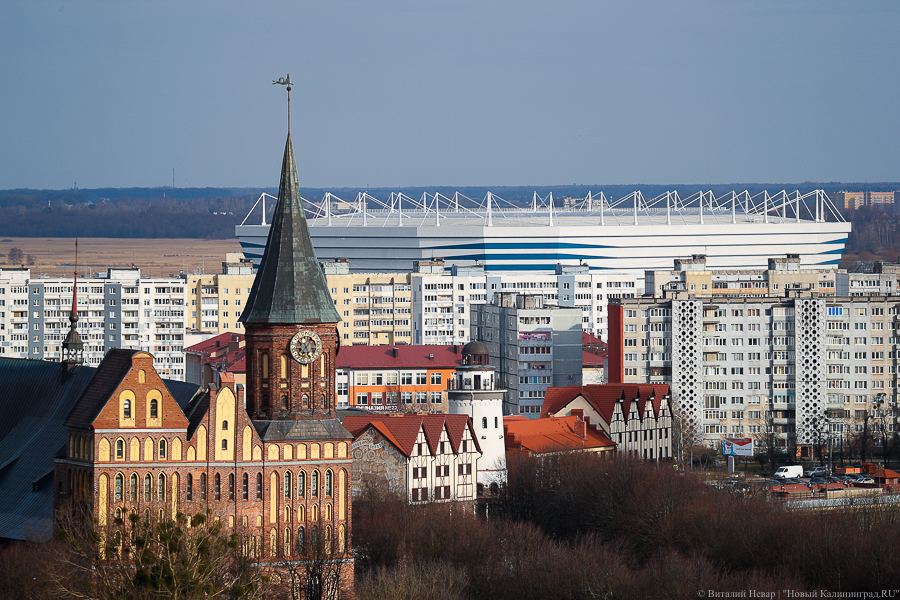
289	286
313	430
115	367
36	399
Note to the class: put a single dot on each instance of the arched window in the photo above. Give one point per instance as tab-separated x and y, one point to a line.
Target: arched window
287	541
161	487
202	486
154	408
126	408
479	489
284	402
118	514
231	486
284	366
259	486
162	449
484	422
304	399
218	487
301	484
300	540
133	488
328	544
246	487
287	514
225	425
190	487
120	449
119	484
148	488
288	478
495	422
224	444
265	365
327	512
328	483
314	491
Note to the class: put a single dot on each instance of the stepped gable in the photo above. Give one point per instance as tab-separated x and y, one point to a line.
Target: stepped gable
289	286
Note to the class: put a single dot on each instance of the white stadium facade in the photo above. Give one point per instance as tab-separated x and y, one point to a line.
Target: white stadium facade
628	235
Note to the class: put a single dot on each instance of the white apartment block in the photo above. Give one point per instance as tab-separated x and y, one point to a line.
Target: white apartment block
116	309
533	345
813	367
442	300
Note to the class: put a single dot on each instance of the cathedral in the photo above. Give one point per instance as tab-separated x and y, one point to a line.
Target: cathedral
270	460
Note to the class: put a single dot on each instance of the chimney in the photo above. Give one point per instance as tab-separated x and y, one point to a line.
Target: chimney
580	428
396	352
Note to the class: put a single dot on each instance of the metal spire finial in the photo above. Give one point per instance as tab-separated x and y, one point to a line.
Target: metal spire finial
286	81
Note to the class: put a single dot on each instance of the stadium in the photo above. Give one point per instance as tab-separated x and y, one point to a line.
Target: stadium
630	234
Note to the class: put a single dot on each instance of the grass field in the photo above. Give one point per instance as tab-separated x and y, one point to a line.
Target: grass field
55	257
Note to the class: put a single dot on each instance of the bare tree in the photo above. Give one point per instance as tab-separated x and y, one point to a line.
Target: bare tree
686	435
139	557
315	570
15	256
766	441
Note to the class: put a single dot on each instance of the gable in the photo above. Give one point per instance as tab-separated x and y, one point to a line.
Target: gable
140	400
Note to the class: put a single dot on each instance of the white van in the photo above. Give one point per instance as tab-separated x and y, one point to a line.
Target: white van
788	472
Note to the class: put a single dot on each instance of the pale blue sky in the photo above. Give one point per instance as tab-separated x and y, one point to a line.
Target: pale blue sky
462	92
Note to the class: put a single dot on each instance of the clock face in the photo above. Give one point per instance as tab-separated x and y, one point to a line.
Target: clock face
306	346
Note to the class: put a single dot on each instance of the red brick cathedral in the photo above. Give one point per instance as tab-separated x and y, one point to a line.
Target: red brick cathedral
272	460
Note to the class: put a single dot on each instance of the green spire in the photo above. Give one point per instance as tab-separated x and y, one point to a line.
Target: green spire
289	286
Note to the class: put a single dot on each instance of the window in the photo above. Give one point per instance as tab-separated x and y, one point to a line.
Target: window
224	444
301	484
288	479
202	486
328	483
315	484
259	489
162	449
133	488
224	425
190	487
217	489
231	486
120	449
484	422
435	379
246	490
154	408
161	487
119	483
126	408
148	487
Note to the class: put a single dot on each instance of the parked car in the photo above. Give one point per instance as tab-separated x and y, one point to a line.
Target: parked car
865	480
817	481
788	472
816	472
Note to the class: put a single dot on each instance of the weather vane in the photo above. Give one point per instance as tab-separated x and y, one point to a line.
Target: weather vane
287	82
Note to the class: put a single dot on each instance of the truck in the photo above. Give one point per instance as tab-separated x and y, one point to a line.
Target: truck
788	472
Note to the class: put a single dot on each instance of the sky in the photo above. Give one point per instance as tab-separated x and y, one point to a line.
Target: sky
398	93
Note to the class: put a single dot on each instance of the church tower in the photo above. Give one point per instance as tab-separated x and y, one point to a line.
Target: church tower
290	320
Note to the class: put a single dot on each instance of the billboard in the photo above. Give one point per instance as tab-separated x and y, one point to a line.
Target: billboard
737	447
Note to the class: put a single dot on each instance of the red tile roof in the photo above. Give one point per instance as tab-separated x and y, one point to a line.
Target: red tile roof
604	398
399	357
402	429
217	342
553	434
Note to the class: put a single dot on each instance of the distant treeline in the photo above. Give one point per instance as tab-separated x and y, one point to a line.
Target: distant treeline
212	213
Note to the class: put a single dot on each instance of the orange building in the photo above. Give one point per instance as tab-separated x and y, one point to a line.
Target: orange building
396	379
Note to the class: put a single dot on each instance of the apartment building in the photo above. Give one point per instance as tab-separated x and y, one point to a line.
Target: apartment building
375	308
691	276
216	300
533	344
811	367
442	299
118	308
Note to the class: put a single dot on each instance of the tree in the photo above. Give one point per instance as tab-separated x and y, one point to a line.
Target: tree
15	256
686	435
314	571
766	441
139	557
